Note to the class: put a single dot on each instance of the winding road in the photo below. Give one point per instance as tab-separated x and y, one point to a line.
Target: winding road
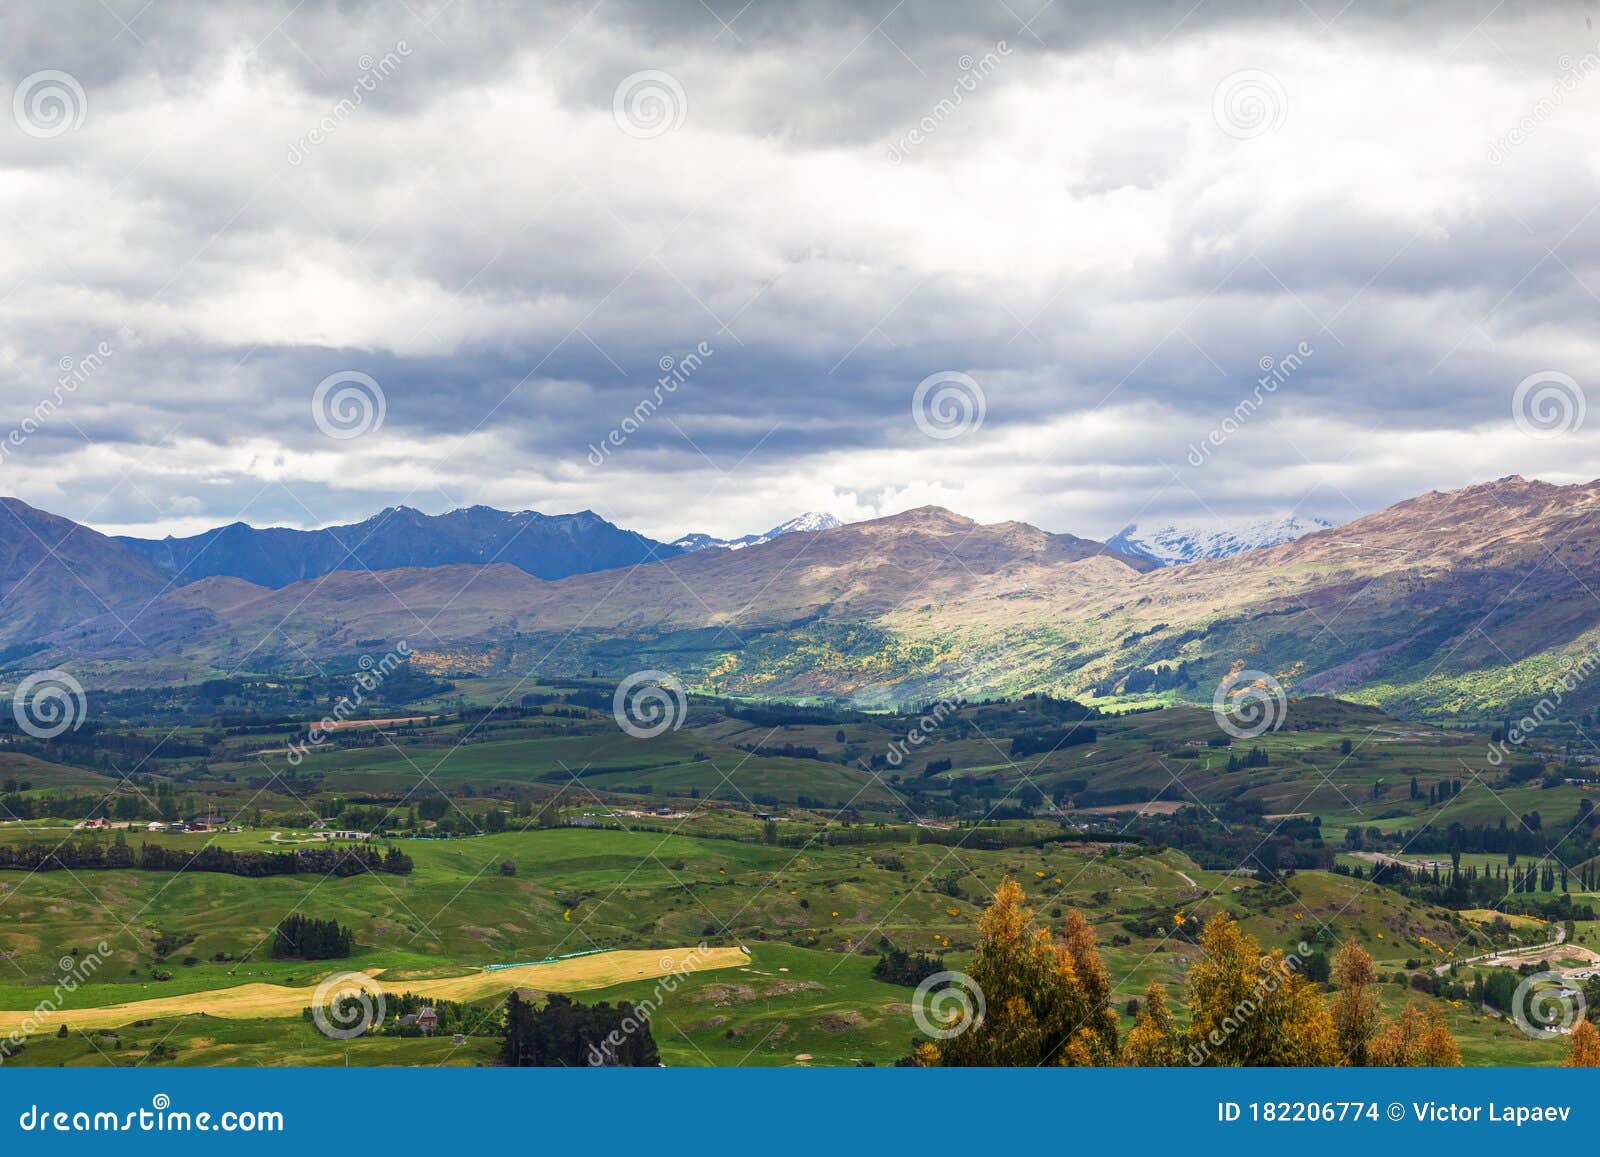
1561	938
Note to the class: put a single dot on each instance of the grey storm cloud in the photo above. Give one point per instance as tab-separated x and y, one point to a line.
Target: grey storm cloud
1110	216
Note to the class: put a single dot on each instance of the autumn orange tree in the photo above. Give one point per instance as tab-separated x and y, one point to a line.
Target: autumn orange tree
1250	1008
1356	1017
1585	1051
1367	1037
1047	1001
1415	1039
1154	1041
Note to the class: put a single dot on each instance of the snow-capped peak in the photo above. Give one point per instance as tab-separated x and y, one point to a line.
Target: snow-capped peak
1174	545
802	523
805	522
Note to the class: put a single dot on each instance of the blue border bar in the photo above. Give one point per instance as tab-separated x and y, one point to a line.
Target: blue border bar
805	1111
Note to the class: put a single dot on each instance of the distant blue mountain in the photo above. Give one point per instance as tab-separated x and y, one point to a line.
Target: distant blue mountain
544	545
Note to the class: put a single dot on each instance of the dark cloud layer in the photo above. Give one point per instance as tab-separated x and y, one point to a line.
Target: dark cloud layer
1109	216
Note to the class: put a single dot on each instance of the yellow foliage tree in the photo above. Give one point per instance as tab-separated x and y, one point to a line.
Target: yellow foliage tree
1154	1041
1417	1039
1246	1008
1356	1019
1081	1014
1585	1053
1046	1003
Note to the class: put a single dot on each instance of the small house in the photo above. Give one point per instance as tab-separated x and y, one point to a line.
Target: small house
425	1019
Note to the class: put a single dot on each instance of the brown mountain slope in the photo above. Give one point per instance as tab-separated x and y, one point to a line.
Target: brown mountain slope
1417	600
851	572
1447	599
232	624
54	572
855	573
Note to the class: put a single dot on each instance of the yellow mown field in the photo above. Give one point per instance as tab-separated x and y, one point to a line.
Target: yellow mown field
256	1001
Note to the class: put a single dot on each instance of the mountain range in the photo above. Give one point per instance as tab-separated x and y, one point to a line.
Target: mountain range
1467	601
557	546
805	522
1172	545
547	546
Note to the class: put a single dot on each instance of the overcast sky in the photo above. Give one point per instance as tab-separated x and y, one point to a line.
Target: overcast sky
1090	226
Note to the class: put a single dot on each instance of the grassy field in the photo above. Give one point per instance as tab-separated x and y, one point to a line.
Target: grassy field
795	846
575	889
